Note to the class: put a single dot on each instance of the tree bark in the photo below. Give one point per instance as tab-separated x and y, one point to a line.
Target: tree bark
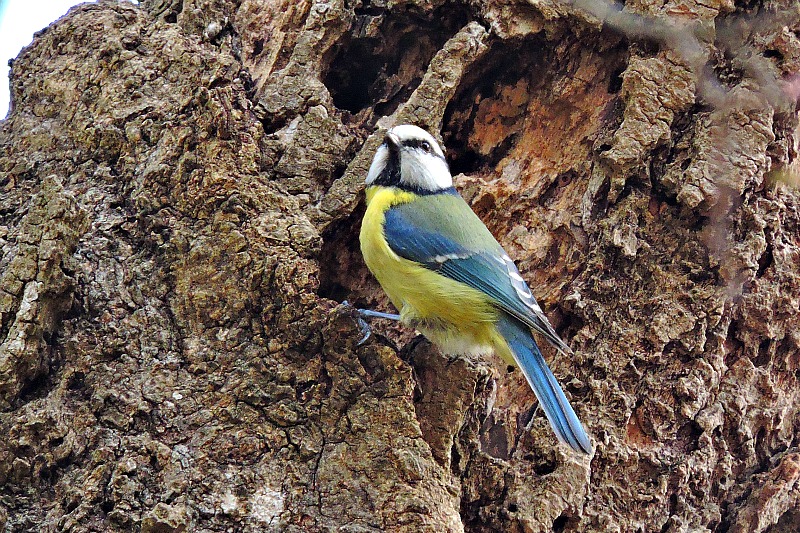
180	197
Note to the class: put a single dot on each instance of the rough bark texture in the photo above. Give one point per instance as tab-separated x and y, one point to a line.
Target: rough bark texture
180	191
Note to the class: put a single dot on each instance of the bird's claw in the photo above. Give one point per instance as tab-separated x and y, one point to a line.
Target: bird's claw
366	331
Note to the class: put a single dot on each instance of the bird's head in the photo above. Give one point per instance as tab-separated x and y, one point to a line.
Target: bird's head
410	158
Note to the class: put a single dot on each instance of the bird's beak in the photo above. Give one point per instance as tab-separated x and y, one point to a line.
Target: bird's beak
392	141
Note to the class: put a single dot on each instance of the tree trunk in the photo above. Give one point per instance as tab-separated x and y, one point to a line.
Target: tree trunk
180	197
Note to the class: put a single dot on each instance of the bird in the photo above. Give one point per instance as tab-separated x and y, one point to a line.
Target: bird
448	276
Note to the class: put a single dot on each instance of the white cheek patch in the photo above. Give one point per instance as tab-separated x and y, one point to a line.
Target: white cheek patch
378	164
424	171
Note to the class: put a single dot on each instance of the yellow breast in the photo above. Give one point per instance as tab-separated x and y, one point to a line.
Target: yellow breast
453	315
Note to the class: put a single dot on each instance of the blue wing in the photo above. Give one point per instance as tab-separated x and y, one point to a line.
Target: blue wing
442	233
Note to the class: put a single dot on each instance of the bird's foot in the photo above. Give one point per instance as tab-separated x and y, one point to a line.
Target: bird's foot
363	315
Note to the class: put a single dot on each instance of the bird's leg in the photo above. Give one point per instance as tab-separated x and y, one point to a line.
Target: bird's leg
363	314
368	313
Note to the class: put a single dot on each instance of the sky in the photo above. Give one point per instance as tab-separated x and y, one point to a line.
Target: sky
19	19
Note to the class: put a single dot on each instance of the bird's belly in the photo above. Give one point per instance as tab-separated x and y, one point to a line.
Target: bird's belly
445	311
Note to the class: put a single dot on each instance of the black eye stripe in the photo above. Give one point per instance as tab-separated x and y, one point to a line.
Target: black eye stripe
418	143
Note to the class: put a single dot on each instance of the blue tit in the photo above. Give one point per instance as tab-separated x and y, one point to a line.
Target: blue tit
448	276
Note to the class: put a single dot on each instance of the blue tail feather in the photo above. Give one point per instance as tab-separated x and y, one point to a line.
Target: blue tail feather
559	412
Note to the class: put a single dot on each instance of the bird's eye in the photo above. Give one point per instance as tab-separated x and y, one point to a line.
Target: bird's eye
426	146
